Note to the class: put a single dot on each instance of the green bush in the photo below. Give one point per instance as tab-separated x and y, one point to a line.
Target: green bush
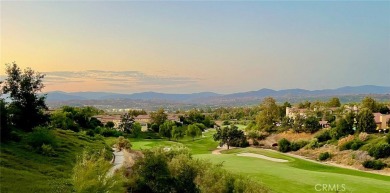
324	135
40	136
255	143
354	145
47	150
313	144
374	164
296	145
324	156
381	150
284	145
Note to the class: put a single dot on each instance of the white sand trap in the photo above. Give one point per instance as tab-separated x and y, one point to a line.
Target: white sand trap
262	157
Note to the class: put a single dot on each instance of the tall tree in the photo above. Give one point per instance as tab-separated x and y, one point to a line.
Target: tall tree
334	102
312	124
27	106
4	128
193	131
166	129
370	103
365	121
268	115
177	133
226	135
158	117
126	123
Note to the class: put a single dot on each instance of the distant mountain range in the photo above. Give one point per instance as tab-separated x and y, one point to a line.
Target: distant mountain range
211	97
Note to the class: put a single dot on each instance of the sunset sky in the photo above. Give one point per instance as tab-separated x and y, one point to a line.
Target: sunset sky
186	47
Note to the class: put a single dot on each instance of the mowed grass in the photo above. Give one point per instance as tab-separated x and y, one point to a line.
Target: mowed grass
298	175
24	170
200	145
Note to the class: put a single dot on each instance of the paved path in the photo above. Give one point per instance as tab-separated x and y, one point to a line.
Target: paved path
118	161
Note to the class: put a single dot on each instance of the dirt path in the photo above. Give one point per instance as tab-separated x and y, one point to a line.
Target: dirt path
262	157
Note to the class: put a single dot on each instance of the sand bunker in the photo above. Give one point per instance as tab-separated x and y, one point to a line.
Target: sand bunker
262	157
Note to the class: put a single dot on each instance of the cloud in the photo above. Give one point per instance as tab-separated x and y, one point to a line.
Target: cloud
117	79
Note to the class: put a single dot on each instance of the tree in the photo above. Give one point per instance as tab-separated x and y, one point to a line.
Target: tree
27	107
299	122
312	124
166	129
193	131
334	102
136	130
227	135
343	128
5	130
370	103
365	121
268	115
177	133
126	123
158	117
110	124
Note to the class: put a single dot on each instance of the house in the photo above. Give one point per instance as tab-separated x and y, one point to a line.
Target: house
293	112
116	119
381	121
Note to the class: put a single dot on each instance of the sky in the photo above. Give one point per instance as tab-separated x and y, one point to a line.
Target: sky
188	47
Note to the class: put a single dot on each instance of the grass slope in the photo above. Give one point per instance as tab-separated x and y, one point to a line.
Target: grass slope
23	170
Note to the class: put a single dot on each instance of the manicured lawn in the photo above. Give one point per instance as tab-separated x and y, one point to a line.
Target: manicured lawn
298	175
200	145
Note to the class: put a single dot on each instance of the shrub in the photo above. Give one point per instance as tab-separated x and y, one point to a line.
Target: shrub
47	150
374	164
123	143
313	144
324	156
296	145
255	143
380	151
323	136
354	145
284	145
343	142
363	136
257	135
40	136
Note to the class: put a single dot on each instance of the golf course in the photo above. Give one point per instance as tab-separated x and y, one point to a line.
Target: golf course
293	175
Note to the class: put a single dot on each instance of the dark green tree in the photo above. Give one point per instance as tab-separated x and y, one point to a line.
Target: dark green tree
27	107
365	121
226	135
5	130
126	123
312	124
110	124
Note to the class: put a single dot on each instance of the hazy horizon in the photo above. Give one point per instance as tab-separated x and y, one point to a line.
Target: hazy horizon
189	47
